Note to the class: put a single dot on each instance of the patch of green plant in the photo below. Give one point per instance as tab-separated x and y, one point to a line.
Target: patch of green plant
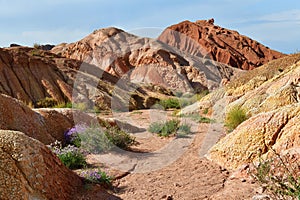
63	105
50	102
183	130
235	117
80	106
170	103
205	111
70	156
189	99
137	112
96	176
279	176
47	102
94	140
169	127
97	139
119	137
198	118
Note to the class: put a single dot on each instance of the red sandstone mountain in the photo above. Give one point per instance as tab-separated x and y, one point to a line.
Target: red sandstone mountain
203	38
145	60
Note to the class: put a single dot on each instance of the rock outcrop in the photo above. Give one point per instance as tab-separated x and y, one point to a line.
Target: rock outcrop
205	39
277	129
145	61
273	103
29	170
31	75
45	125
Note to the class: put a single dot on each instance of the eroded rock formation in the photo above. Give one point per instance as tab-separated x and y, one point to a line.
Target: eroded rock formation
204	38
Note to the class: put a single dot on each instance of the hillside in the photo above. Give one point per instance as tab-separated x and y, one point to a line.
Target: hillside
146	61
204	38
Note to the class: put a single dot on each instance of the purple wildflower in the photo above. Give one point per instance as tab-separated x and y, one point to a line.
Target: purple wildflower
72	135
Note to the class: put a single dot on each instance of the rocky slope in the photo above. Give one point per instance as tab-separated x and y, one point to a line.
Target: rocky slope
32	75
204	38
273	104
145	61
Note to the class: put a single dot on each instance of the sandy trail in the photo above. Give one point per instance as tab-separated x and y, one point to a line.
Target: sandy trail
188	175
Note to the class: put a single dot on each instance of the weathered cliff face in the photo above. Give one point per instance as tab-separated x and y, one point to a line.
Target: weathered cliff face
145	60
29	170
31	75
273	104
203	38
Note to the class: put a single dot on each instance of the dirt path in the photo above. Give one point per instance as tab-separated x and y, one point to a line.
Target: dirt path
188	176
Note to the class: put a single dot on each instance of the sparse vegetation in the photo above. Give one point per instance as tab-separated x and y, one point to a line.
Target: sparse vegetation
47	102
70	156
50	102
96	176
182	101
235	117
183	130
96	139
278	176
63	105
119	137
170	103
198	118
168	128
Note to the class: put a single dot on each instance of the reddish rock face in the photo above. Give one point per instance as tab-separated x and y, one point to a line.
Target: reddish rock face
145	61
203	38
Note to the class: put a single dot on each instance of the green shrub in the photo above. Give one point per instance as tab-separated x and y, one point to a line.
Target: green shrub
50	102
119	137
198	118
72	158
47	102
96	176
205	111
96	139
279	176
70	155
63	105
235	117
183	130
170	103
169	127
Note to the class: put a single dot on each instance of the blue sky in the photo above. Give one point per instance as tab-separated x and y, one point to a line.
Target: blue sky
273	23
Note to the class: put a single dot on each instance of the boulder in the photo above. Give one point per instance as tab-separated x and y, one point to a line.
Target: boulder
29	170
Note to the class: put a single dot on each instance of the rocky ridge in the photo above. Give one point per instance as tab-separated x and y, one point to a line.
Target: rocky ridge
204	38
146	61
